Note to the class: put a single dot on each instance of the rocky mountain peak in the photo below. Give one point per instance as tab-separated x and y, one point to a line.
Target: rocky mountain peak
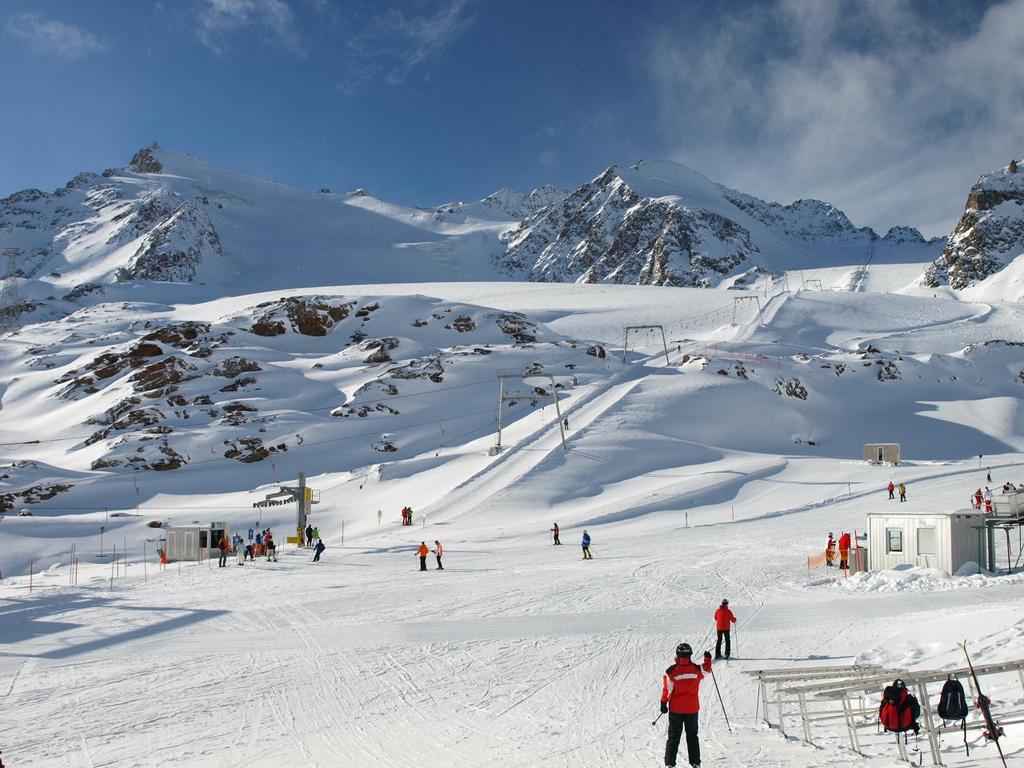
144	161
989	234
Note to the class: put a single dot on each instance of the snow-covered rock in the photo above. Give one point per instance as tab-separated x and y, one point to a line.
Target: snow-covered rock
989	234
660	223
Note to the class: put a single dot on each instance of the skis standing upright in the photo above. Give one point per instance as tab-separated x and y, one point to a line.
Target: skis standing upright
993	729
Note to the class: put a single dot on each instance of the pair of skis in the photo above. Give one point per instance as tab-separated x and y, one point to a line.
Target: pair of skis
993	731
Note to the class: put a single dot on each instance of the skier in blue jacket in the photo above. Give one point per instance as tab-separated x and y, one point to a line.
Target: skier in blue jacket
586	546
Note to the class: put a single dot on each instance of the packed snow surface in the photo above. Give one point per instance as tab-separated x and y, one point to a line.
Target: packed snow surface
715	476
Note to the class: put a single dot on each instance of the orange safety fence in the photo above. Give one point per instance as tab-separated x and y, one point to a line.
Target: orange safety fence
816	561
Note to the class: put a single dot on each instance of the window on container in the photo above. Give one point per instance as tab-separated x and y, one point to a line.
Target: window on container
926	541
893	539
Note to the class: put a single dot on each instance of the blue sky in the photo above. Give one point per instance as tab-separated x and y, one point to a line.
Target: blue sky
888	108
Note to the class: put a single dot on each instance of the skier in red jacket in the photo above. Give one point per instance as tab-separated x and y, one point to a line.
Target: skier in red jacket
724	619
890	488
844	550
680	689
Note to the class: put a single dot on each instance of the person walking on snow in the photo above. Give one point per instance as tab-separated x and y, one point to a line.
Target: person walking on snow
318	550
224	546
438	551
586	546
988	474
316	532
680	698
554	532
903	492
830	550
724	619
844	550
890	487
422	552
240	551
309	535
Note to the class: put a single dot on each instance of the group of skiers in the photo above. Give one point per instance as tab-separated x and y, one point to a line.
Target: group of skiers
260	543
406	515
844	545
424	550
312	533
891	488
584	542
680	690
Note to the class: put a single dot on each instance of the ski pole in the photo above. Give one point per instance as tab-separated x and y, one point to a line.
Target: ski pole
657	719
719	692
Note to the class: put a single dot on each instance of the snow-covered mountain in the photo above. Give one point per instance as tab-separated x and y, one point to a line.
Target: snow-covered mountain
170	217
661	223
987	244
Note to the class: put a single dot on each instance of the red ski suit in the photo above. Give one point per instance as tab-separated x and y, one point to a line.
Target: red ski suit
724	618
681	684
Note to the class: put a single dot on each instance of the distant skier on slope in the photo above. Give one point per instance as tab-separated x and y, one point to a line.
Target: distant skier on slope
680	698
422	552
586	546
891	487
903	492
438	551
224	546
844	550
318	550
830	550
724	619
554	533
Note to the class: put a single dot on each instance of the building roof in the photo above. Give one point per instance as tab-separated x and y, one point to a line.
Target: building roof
968	512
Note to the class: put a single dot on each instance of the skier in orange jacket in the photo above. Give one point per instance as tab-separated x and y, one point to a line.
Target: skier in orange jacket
423	552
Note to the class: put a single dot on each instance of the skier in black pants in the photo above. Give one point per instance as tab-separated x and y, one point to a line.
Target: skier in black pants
680	689
319	548
309	535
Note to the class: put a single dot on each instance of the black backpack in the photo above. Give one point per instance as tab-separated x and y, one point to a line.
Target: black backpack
952	701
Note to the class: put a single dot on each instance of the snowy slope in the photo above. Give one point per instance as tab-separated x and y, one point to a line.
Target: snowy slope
130	401
699	480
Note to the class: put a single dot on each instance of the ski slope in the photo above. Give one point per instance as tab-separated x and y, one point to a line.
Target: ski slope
694	484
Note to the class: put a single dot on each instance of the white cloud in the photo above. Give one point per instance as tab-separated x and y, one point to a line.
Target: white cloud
219	18
393	43
879	108
53	38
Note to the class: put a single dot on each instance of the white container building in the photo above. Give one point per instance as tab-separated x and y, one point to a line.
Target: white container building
944	540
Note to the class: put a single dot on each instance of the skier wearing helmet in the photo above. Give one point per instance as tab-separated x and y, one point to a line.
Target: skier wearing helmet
680	689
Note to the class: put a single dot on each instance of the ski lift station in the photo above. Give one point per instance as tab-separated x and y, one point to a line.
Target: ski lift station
191	543
944	540
882	453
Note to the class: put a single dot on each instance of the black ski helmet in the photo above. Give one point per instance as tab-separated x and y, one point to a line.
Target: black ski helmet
683	650
725	601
